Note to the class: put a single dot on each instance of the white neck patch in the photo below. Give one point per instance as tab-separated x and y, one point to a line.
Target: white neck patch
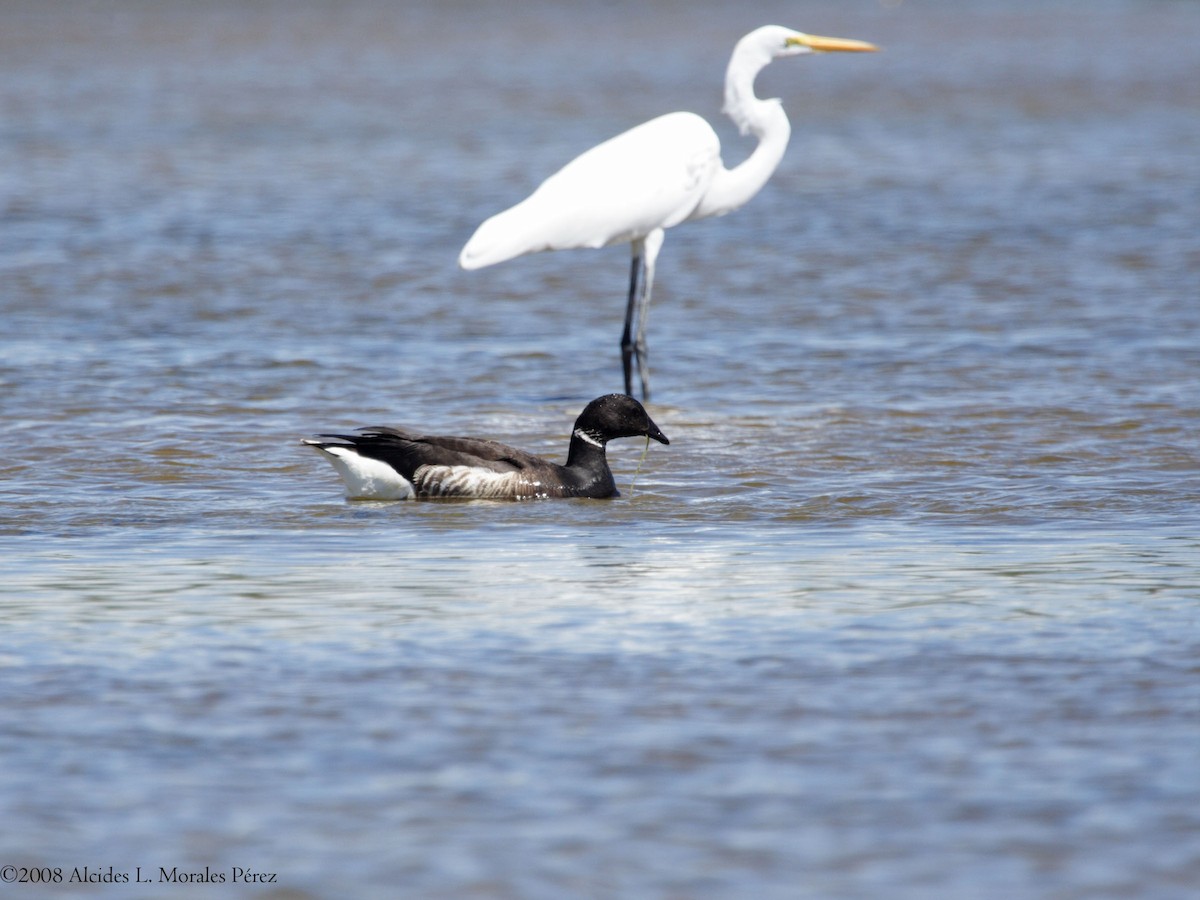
587	438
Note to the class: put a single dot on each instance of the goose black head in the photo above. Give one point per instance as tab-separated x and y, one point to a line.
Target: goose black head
616	416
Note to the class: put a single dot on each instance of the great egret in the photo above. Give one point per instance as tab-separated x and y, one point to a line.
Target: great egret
652	177
392	464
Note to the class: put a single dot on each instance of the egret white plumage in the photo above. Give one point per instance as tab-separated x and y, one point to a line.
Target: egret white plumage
653	177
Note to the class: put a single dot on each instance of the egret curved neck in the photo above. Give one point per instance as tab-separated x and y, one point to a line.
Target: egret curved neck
765	119
734	187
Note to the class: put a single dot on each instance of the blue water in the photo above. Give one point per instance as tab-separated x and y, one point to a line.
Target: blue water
909	607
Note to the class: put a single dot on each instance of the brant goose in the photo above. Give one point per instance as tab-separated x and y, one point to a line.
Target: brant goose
392	464
652	177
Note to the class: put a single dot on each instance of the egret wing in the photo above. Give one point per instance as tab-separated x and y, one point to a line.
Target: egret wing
649	177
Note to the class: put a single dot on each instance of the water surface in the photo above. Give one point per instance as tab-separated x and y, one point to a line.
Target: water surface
908	607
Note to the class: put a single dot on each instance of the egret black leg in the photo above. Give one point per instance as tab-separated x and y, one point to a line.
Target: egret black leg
640	350
651	244
631	312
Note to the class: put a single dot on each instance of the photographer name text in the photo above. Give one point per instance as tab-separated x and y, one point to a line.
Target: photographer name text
138	875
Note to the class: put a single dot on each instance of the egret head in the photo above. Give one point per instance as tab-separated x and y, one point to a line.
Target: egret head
776	42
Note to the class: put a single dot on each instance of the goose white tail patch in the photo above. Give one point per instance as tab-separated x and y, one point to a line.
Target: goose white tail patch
365	478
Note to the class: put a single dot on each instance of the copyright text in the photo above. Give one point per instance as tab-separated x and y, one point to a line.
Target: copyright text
137	875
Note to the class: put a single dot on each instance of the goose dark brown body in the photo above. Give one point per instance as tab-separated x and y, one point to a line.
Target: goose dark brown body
385	463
